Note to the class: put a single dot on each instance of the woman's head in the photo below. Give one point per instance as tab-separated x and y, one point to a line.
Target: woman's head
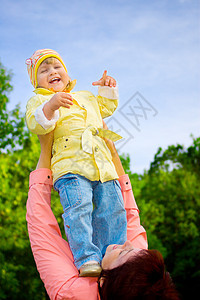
140	275
118	254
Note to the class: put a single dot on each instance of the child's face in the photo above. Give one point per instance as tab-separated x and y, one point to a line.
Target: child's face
52	76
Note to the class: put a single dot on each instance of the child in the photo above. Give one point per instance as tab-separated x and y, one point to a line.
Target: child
82	167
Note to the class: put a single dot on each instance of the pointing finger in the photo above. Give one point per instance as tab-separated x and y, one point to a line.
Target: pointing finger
104	76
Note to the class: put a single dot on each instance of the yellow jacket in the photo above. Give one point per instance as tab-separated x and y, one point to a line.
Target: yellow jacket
78	146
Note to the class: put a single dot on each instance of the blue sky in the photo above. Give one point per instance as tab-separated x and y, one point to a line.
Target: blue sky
152	48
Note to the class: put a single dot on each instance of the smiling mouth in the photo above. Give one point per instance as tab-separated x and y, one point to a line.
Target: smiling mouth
55	80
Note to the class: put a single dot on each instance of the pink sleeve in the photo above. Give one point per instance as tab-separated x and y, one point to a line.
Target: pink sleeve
51	252
135	231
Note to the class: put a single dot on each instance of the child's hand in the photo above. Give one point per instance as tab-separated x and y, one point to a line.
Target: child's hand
105	80
58	100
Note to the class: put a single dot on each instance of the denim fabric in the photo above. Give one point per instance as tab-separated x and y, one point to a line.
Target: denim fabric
94	216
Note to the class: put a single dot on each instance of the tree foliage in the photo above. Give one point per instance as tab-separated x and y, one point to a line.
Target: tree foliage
168	196
19	277
12	124
170	202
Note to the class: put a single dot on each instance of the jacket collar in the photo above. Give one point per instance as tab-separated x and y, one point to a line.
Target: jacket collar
43	91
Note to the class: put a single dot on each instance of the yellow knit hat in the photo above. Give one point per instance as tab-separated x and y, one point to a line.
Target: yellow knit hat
35	61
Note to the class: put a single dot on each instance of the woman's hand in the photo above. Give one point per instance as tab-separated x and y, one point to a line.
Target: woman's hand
105	80
46	142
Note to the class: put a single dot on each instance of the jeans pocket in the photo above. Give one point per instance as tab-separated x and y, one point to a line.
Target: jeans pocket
70	192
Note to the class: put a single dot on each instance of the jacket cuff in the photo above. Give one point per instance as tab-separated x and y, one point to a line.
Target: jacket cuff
42	120
125	182
129	200
43	176
108	92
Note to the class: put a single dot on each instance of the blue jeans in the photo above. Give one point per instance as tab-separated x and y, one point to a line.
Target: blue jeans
94	216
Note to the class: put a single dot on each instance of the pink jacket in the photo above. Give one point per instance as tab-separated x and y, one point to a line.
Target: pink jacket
51	252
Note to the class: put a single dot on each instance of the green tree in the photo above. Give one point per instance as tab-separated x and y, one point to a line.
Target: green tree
12	123
18	275
170	205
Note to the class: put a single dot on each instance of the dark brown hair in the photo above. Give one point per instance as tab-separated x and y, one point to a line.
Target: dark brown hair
142	277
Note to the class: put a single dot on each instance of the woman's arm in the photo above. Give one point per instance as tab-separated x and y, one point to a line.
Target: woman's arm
115	157
51	252
46	142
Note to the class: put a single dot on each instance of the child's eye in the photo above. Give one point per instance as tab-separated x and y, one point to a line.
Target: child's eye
43	71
